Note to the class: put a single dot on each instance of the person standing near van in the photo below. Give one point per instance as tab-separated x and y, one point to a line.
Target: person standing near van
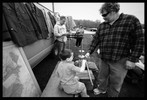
60	34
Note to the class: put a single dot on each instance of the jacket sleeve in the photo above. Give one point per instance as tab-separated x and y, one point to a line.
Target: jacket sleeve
138	41
94	42
56	32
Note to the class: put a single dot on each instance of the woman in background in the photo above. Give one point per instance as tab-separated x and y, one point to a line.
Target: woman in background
79	33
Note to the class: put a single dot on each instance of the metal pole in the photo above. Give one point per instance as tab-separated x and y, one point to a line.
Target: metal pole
89	74
82	48
53	8
69	43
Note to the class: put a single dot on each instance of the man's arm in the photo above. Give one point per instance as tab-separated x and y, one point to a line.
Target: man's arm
94	42
137	47
56	31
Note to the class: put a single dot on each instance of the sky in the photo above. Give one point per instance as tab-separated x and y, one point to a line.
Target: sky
90	11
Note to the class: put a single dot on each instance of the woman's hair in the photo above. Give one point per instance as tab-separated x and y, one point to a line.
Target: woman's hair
109	7
65	54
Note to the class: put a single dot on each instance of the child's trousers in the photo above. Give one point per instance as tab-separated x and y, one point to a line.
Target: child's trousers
76	88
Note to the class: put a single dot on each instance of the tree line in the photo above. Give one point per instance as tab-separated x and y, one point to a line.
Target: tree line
92	24
88	23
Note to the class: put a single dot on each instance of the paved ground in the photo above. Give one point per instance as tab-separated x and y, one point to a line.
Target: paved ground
44	70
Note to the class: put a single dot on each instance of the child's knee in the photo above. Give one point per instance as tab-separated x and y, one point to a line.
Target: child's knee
82	86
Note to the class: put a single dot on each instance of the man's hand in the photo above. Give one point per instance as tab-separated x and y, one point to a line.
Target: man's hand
87	55
130	65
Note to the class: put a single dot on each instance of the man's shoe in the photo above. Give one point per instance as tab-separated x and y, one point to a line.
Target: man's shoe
97	91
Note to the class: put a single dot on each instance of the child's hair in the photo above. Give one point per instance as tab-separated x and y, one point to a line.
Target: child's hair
65	54
62	17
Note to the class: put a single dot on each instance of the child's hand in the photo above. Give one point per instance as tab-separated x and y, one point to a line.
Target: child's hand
77	63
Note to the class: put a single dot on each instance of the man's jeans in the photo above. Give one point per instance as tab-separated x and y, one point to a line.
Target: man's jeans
111	76
60	46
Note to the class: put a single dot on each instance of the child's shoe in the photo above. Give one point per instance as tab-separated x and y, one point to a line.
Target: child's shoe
97	91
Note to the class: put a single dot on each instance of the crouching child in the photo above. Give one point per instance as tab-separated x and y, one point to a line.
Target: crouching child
67	72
